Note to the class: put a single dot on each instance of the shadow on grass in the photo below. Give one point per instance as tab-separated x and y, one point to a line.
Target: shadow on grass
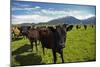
17	39
21	49
30	59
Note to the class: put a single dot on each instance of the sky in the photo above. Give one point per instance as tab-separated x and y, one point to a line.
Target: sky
38	12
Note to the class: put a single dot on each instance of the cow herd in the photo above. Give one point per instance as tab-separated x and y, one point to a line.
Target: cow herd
50	37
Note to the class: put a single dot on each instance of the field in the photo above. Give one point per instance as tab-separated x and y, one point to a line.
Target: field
80	47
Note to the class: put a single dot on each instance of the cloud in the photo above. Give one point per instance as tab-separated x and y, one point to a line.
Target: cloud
37	7
25	8
45	15
30	18
83	16
53	12
17	9
62	13
79	14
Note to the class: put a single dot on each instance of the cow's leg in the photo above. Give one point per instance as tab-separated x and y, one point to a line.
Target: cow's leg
36	45
61	54
43	50
54	56
39	42
31	45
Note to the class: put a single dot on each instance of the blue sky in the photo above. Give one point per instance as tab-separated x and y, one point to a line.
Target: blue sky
28	12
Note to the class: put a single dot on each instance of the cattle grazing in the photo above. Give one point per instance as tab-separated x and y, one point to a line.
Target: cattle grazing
54	38
78	26
85	27
92	26
70	27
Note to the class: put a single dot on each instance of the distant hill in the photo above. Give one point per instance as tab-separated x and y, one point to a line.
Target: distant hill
27	24
67	20
91	20
73	20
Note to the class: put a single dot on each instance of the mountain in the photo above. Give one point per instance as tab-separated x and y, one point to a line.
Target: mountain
67	20
91	20
73	20
27	24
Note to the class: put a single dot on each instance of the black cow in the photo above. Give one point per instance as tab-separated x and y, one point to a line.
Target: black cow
54	38
78	26
92	26
24	30
85	27
70	27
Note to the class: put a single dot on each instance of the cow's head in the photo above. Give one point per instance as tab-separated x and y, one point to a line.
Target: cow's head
25	29
61	35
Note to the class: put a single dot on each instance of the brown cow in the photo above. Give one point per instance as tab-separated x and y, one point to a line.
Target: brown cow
33	36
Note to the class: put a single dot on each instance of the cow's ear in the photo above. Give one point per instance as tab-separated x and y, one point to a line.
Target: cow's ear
69	27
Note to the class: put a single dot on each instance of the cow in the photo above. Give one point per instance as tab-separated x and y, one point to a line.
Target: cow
70	27
92	26
15	32
85	27
54	38
24	30
78	26
33	36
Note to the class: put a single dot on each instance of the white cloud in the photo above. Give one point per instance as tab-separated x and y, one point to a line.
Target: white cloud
30	18
62	13
22	8
79	14
47	15
37	7
54	12
26	8
84	16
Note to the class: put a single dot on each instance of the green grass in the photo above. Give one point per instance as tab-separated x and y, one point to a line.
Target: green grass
80	47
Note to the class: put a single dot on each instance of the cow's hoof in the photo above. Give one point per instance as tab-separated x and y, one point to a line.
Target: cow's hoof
62	61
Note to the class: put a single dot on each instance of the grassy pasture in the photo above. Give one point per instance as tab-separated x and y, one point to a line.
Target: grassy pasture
80	47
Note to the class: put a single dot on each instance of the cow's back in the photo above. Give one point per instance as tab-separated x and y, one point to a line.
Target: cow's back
46	38
33	34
